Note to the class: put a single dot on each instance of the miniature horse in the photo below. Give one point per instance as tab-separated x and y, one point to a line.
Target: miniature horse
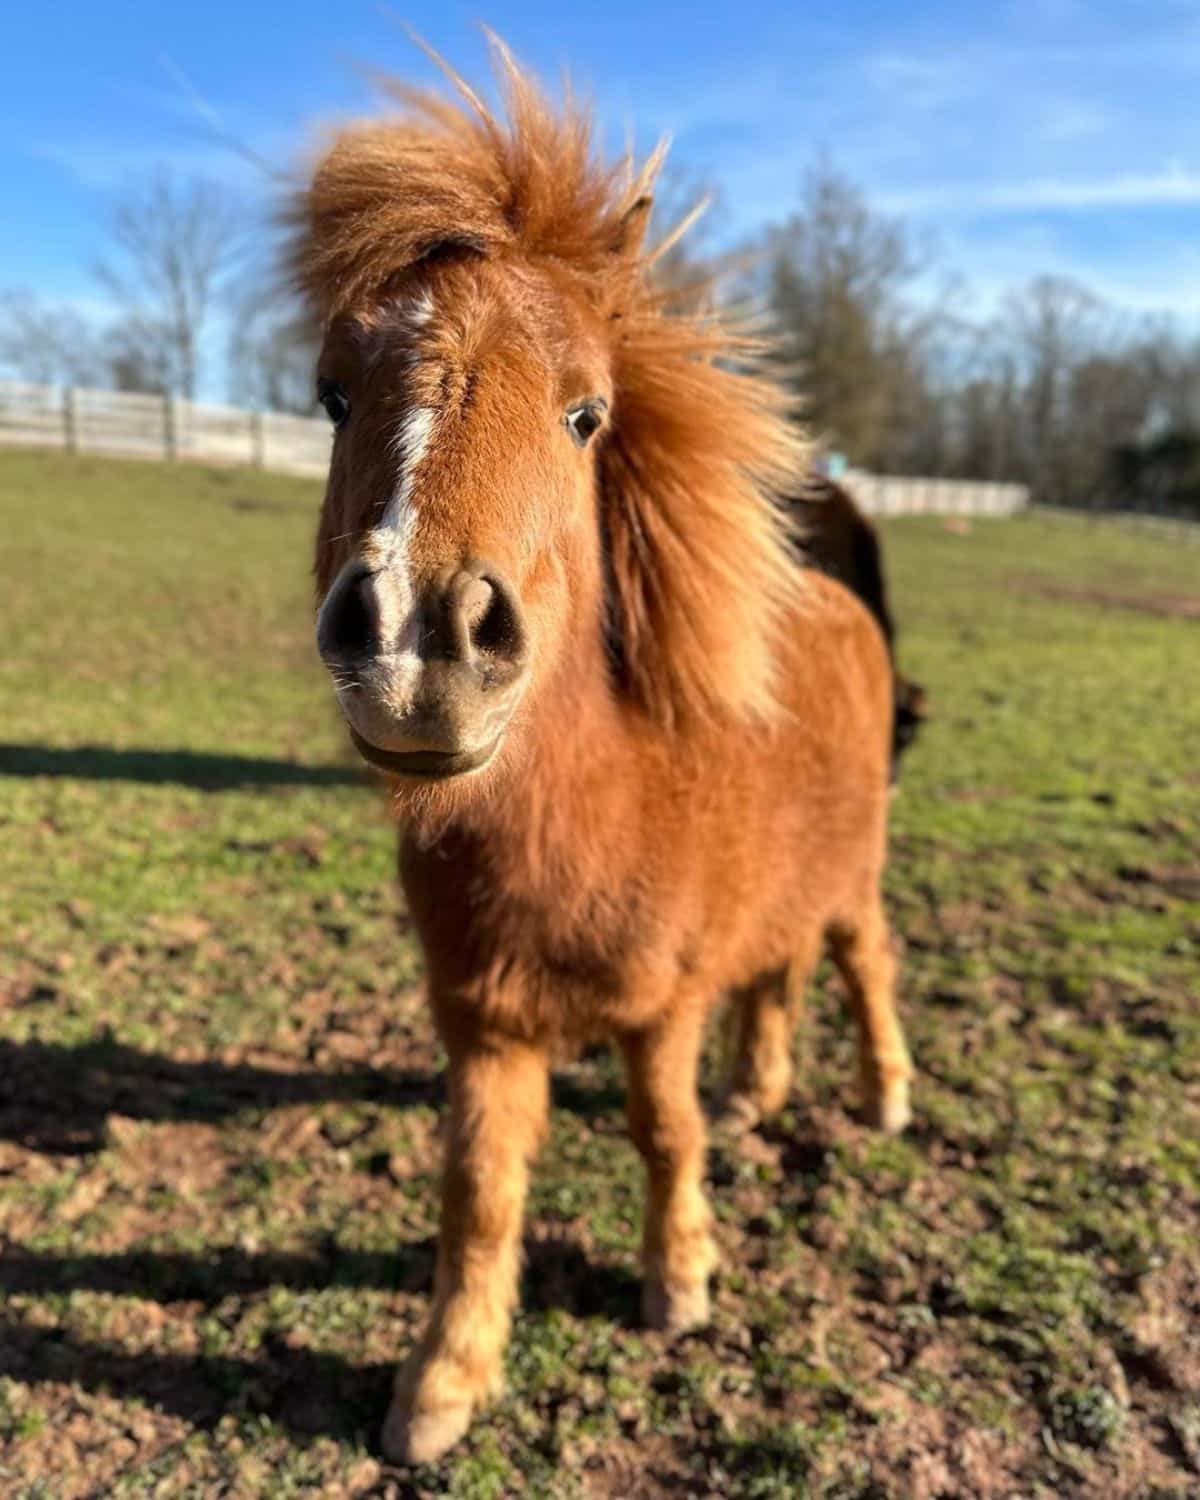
640	757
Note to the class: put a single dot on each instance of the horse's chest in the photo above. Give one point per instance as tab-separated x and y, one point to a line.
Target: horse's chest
579	953
574	955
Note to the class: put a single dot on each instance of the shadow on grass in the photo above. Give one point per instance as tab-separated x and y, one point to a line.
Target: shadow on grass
308	1393
58	1098
205	772
557	1274
223	1271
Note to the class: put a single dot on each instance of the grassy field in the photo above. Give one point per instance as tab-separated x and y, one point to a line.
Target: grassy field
219	1094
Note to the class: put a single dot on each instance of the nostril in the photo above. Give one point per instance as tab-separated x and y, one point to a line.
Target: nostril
494	624
349	626
474	600
472	617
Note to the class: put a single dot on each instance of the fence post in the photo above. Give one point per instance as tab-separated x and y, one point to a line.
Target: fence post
258	440
170	428
70	418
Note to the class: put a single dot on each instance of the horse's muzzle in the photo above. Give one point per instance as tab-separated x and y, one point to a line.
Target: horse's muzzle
427	679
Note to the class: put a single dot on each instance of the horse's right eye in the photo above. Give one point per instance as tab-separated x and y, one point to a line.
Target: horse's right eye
335	401
584	420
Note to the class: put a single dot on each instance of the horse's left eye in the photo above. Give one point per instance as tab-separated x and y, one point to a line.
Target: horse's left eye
585	420
335	401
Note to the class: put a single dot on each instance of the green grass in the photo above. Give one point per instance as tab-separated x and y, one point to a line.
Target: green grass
219	1095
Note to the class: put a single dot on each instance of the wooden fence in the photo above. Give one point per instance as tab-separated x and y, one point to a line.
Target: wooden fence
120	422
887	495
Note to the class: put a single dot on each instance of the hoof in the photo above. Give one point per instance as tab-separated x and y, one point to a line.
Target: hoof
677	1307
888	1108
421	1437
737	1116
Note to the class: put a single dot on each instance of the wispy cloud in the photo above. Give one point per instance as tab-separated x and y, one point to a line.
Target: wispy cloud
105	165
1171	186
1071	120
925	83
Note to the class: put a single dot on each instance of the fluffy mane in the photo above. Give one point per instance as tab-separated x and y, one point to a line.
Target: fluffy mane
701	579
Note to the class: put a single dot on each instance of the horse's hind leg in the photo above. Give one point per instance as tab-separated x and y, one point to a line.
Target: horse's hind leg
765	1015
862	950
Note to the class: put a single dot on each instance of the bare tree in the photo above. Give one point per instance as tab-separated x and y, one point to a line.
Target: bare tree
837	281
272	352
1171	369
47	345
136	362
1078	380
1051	326
174	246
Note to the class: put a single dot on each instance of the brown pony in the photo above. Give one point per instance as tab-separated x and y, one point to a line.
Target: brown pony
640	757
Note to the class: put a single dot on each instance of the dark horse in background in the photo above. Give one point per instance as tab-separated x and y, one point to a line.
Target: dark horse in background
839	540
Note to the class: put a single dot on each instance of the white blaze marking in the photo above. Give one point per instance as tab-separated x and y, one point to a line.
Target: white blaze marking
385	548
410	446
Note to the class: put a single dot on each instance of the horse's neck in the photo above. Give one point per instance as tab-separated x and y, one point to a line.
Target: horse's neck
563	811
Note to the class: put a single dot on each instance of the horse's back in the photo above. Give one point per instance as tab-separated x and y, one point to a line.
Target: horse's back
838	677
797	834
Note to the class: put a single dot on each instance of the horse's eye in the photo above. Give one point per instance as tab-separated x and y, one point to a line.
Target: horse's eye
335	401
585	420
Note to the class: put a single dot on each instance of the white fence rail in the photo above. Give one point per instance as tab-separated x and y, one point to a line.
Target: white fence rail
885	495
119	422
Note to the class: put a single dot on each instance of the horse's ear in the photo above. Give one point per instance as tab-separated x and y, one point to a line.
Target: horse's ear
631	232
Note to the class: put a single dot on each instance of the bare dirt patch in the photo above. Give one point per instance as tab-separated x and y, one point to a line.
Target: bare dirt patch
1164	606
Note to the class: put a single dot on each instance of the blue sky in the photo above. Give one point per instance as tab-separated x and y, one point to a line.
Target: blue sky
1027	135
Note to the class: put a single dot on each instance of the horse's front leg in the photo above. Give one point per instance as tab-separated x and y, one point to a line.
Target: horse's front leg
667	1125
499	1093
